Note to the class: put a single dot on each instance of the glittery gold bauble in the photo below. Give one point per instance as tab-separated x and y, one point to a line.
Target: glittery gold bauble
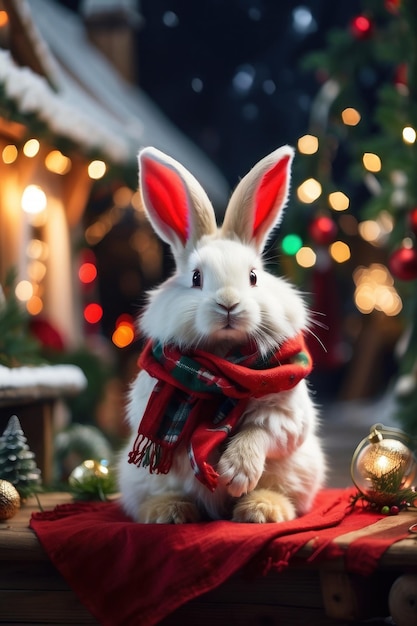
87	470
9	500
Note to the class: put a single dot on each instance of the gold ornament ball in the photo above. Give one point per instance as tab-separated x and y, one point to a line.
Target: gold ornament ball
9	500
87	470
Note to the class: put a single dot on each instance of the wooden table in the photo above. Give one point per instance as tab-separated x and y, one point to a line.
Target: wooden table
33	592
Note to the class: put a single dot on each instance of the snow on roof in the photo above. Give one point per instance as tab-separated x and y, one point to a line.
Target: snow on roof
93	105
40	382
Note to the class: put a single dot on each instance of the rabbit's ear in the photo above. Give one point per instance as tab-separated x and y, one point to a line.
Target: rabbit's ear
257	203
177	206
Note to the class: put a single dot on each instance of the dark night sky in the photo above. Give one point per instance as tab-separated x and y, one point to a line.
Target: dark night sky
228	74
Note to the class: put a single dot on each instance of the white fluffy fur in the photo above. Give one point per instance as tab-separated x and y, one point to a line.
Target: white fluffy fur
273	466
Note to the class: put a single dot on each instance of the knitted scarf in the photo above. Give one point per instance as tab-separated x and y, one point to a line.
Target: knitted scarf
199	398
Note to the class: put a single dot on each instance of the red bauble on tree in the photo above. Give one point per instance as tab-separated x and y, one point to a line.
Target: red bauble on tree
322	230
412	220
401	75
393	6
361	27
403	263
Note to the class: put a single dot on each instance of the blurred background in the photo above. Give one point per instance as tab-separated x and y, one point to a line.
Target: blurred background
217	85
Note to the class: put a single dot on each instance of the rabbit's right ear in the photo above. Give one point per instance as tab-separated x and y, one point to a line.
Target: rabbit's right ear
177	206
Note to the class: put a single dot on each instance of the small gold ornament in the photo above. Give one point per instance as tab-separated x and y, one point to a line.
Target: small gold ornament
9	500
92	480
384	468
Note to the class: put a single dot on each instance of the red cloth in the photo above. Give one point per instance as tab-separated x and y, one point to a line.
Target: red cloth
134	574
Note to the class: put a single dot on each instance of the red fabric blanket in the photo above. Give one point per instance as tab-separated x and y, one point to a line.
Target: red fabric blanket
135	574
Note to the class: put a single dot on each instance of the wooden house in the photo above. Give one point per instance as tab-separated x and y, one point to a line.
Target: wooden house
68	119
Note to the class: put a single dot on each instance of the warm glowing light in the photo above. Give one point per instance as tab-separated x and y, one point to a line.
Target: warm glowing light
409	134
339	251
36	271
306	257
33	199
96	169
95	233
309	191
93	313
34	305
24	290
376	231
37	249
339	201
87	273
136	201
371	162
308	144
351	117
31	148
375	290
57	163
291	244
9	154
4	19
123	335
122	196
384	467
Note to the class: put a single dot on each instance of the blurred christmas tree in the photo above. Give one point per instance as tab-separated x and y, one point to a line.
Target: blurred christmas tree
357	183
17	461
17	344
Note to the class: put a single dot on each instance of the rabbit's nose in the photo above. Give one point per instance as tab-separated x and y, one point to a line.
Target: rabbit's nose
227	299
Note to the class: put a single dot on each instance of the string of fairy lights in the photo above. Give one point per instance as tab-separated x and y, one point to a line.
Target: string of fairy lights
374	285
329	232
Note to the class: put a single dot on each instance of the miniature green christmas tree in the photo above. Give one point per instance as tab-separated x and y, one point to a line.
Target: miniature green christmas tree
17	461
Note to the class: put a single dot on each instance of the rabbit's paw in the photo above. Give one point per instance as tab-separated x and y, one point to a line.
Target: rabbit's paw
240	468
263	506
168	509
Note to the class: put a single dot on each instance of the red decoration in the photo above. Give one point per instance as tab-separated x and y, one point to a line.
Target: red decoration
323	230
401	75
412	220
93	313
403	263
361	27
393	6
47	334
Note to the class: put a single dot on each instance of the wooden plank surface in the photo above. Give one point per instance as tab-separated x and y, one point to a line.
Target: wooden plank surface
18	540
33	592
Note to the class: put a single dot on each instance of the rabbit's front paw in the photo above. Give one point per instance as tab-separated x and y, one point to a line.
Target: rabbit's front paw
264	506
240	467
168	509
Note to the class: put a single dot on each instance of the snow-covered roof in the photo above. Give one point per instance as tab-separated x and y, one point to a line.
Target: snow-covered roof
45	381
84	99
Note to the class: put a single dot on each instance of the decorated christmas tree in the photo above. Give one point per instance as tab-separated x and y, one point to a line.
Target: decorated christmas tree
17	461
357	184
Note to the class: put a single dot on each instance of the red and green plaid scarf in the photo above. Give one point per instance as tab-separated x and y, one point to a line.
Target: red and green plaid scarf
199	398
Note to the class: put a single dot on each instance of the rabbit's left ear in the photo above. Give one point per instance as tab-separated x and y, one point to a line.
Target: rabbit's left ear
257	203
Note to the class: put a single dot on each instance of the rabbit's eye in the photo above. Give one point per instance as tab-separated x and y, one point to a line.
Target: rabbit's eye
253	278
197	278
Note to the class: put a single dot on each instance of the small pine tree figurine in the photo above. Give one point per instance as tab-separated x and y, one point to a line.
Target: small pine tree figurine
17	461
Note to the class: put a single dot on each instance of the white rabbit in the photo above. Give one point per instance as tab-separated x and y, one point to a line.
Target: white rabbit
265	463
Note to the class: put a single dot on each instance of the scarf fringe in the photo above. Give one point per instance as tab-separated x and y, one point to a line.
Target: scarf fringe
147	453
